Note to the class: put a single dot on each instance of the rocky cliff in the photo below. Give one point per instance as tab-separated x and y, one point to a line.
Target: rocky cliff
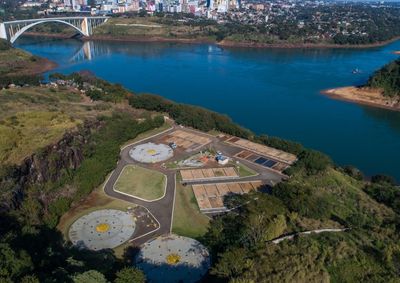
47	165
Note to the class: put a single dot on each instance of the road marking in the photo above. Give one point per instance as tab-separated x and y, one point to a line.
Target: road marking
106	182
148	233
159	224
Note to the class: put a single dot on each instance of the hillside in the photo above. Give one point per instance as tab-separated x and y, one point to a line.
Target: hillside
387	79
57	145
155	29
15	63
34	117
69	137
368	251
381	90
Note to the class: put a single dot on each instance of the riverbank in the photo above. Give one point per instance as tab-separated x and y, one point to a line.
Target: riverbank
43	65
201	40
15	62
208	40
49	35
230	43
364	96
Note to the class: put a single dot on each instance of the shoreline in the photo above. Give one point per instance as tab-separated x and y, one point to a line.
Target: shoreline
222	43
40	66
43	65
33	66
363	96
234	44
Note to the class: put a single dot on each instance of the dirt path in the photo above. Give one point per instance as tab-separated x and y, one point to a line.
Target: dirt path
318	231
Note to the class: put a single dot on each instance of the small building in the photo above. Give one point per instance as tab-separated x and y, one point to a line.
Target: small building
222	160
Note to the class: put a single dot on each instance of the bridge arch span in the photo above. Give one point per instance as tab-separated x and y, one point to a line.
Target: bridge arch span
84	25
24	29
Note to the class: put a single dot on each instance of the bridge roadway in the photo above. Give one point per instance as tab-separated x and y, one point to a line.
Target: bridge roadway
162	209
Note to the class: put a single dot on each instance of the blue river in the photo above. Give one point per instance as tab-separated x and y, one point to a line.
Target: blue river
270	91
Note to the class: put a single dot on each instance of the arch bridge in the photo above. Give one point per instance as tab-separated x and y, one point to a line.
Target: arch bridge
84	25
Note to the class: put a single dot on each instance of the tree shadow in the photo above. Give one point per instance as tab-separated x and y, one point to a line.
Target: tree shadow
173	273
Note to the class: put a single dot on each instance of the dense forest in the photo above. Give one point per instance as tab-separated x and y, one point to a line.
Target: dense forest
387	78
368	250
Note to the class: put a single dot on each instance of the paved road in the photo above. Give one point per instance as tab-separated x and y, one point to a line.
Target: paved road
162	209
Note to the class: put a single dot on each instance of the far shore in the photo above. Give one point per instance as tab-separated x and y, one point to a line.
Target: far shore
364	96
222	43
229	43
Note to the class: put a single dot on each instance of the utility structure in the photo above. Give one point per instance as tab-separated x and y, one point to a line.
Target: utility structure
84	25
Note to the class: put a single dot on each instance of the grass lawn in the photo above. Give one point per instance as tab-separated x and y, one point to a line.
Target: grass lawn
245	171
188	220
141	182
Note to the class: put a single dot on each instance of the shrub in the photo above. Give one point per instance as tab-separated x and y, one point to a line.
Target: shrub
353	172
383	179
5	45
313	162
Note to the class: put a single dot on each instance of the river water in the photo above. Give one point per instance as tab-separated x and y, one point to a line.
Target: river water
271	91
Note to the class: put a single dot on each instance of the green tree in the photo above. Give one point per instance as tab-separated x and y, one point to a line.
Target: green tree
13	264
313	161
130	275
30	279
232	263
91	276
387	78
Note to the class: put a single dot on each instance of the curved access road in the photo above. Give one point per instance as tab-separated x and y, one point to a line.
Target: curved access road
162	209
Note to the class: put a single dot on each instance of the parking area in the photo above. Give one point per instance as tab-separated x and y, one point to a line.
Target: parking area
211	196
208	174
185	140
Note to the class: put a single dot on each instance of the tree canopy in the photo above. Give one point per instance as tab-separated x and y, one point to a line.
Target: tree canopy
387	78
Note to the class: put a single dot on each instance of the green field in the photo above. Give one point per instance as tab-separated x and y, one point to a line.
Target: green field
32	118
140	182
147	27
188	220
245	171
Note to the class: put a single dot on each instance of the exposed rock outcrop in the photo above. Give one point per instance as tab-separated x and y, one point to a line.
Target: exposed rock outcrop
49	164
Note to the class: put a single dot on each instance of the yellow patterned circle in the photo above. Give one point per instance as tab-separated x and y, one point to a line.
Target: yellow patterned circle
173	259
151	151
102	227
